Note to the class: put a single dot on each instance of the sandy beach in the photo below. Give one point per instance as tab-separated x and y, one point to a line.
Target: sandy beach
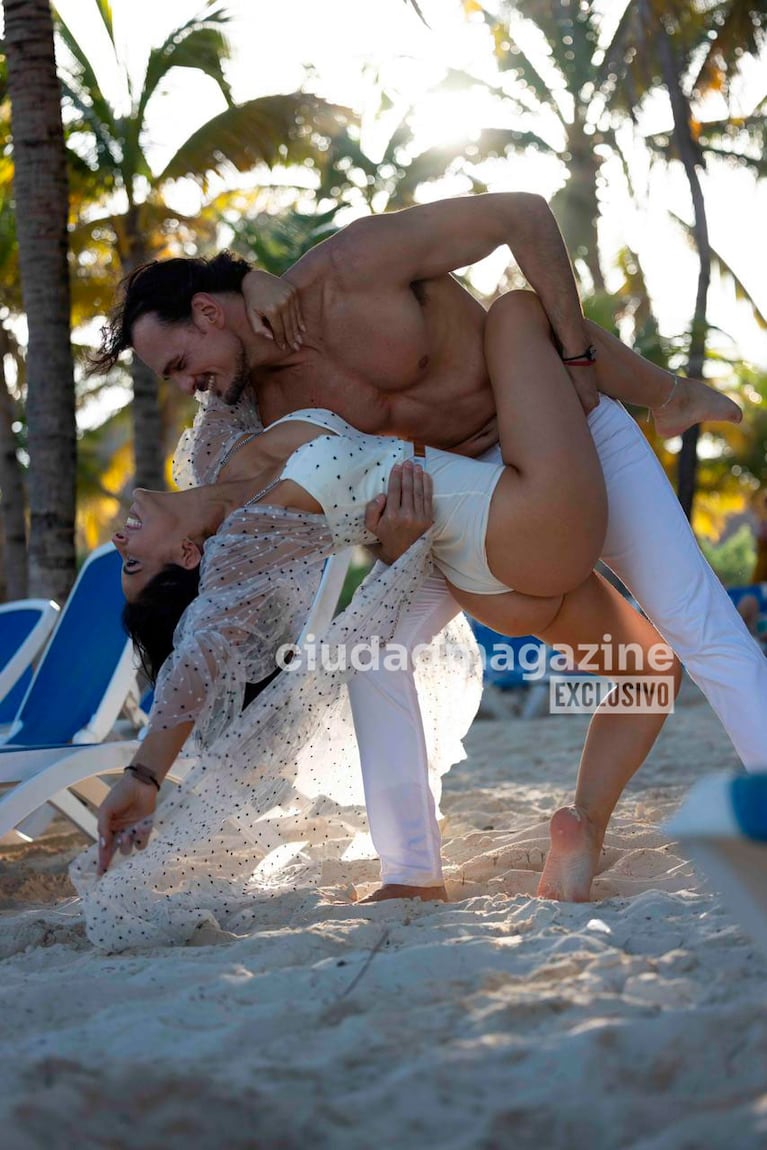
496	1020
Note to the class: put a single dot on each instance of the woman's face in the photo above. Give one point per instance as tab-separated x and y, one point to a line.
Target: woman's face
152	537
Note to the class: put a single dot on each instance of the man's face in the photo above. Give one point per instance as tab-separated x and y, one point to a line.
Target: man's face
196	355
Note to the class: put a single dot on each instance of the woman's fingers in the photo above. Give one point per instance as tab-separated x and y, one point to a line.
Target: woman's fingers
106	849
136	836
410	492
141	833
415	492
299	327
107	844
406	501
125	813
373	513
394	490
274	308
422	494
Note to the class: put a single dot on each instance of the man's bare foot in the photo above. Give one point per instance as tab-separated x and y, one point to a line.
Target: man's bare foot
398	890
572	859
693	401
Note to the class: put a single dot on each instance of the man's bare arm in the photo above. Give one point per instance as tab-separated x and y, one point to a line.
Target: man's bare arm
433	239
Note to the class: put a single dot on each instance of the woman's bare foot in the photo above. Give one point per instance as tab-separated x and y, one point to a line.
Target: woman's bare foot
693	401
398	890
572	859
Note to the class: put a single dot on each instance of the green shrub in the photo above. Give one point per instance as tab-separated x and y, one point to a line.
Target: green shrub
735	558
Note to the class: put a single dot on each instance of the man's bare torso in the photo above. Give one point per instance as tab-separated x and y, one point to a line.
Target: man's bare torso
392	360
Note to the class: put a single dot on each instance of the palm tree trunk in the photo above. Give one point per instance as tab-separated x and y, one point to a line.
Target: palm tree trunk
147	428
148	437
687	467
42	207
14	532
582	204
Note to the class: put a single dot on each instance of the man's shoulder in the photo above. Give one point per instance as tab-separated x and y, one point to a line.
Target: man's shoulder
344	259
314	266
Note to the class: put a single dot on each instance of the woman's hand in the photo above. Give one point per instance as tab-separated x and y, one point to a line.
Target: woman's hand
125	819
401	516
273	309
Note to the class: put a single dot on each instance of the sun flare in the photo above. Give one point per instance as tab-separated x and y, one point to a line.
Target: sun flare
444	118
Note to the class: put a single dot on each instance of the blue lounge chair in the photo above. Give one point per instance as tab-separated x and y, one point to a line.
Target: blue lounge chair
757	592
723	823
25	624
522	661
73	778
78	688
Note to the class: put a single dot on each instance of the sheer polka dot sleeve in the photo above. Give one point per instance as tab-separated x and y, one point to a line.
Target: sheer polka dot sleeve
202	448
258	578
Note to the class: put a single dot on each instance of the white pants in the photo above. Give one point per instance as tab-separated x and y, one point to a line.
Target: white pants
651	548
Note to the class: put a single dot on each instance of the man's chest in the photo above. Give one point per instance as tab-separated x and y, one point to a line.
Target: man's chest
386	340
383	359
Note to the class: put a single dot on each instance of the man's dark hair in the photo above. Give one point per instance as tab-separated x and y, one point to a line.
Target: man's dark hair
164	288
151	618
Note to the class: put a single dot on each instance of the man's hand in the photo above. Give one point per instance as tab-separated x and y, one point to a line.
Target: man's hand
125	819
404	513
584	380
273	309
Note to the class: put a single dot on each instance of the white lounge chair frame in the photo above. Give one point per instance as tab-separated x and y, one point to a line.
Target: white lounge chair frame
73	779
32	645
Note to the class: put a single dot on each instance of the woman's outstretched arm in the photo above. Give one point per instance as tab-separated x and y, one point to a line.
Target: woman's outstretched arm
131	802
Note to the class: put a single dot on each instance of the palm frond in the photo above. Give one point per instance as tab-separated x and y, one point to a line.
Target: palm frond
720	264
199	44
663	145
268	130
739	29
84	79
105	12
276	242
736	133
493	142
417	9
105	131
571	33
515	63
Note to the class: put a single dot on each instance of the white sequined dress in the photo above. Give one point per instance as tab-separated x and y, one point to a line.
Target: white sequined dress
274	802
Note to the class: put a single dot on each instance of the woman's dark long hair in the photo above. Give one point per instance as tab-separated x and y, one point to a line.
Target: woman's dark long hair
151	618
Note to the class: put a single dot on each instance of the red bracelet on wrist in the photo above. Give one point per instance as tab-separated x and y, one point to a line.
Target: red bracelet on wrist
587	358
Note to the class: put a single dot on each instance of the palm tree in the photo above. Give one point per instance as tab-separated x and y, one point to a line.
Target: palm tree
12	480
41	194
109	149
561	109
737	30
654	43
12	484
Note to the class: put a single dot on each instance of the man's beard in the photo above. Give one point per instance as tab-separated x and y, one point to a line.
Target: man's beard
240	381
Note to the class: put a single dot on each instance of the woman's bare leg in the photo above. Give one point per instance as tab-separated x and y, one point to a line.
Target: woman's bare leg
626	376
616	743
629	650
548	513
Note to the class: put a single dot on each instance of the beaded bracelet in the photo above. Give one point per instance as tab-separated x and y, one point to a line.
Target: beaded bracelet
143	774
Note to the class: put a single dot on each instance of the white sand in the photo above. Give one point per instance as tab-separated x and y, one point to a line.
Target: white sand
495	1021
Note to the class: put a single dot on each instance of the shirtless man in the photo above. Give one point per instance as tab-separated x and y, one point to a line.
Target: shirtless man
371	324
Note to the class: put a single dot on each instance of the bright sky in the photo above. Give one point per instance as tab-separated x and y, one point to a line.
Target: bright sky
344	41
